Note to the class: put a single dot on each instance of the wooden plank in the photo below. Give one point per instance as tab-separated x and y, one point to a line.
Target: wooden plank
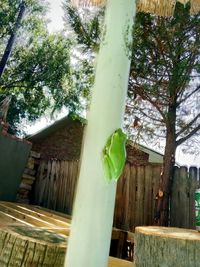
61	222
120	236
183	211
126	196
17	213
156	173
75	171
51	213
23	216
180	199
193	185
10	219
56	184
174	200
114	262
132	198
40	183
50	192
148	199
140	196
60	203
119	203
6	220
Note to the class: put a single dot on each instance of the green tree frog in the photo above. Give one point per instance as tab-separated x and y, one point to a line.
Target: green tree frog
114	155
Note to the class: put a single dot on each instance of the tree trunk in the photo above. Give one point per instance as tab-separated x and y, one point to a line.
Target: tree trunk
92	219
162	199
31	247
167	247
11	40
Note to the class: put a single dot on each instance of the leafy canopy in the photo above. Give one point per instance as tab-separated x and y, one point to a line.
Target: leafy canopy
38	74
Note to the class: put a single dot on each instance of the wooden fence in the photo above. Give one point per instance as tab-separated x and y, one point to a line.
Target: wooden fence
182	207
136	192
55	185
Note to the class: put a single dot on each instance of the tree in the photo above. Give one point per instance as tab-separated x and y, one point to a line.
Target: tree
163	93
38	74
164	87
11	40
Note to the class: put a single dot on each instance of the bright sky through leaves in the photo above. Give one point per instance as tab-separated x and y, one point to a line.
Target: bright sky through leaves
55	15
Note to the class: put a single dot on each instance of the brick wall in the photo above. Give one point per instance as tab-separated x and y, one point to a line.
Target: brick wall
62	144
136	156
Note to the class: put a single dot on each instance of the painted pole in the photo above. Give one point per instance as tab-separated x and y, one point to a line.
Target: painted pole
91	228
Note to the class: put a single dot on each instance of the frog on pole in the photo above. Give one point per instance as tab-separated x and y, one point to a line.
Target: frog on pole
114	155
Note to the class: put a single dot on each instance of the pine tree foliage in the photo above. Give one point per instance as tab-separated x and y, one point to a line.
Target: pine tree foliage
85	25
165	55
165	76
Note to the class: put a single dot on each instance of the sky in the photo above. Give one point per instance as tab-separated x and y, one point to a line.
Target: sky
56	24
55	15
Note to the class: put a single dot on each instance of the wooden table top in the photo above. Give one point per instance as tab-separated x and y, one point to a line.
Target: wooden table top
35	216
115	262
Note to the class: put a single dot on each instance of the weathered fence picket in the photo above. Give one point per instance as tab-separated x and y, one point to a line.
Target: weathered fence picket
182	204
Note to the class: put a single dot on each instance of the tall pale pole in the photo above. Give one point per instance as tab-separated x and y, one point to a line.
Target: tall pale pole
91	228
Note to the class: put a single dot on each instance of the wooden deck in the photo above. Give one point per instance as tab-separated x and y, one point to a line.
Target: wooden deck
34	216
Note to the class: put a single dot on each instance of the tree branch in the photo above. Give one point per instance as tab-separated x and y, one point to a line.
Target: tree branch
187	126
182	140
188	96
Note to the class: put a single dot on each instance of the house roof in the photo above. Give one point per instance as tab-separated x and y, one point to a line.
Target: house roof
48	130
154	156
